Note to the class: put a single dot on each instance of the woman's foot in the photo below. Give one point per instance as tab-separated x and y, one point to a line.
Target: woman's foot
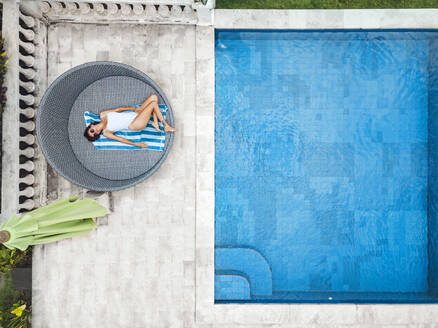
168	128
157	127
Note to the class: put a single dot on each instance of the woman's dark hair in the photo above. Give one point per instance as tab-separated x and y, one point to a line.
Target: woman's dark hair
86	135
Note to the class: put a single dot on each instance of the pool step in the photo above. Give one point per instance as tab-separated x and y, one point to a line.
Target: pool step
248	263
231	287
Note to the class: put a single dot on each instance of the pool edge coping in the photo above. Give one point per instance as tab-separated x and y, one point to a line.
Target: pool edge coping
206	311
325	19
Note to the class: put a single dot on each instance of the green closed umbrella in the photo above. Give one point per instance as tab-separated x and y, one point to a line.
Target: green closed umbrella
59	220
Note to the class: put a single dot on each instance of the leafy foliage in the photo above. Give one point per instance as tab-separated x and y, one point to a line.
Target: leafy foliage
12	258
8	295
15	309
19	317
3	63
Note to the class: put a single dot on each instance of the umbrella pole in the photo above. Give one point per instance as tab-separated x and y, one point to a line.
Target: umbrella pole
4	236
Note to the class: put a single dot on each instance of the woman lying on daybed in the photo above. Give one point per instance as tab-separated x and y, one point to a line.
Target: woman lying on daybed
113	120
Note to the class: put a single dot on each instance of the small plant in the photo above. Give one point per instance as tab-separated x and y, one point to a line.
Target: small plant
11	258
11	304
3	63
15	308
8	295
20	316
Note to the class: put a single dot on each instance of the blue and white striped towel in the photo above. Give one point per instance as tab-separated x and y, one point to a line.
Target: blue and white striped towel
154	139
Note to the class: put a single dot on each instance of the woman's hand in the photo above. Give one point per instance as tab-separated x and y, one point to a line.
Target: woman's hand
141	144
111	135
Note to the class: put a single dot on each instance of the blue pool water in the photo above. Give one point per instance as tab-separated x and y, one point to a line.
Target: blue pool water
325	161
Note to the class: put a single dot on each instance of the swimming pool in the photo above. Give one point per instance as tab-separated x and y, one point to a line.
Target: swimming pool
325	161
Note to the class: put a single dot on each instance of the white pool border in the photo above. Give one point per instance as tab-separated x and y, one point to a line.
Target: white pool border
280	314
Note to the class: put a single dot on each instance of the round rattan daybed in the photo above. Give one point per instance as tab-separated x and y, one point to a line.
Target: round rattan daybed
94	87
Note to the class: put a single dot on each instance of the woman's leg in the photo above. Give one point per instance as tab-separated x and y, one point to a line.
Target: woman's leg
167	127
150	99
155	122
142	119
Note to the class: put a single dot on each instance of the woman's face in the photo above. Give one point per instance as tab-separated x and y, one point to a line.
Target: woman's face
94	130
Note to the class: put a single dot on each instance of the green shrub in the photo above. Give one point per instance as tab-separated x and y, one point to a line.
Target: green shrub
3	63
8	295
15	309
12	258
18	316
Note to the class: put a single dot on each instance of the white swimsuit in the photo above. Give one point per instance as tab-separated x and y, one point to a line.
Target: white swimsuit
119	121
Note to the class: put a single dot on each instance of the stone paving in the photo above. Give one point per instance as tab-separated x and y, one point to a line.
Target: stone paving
137	269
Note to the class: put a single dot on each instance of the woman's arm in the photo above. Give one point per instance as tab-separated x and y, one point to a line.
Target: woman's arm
111	135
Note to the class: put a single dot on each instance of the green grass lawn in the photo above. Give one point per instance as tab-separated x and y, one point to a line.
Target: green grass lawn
324	4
